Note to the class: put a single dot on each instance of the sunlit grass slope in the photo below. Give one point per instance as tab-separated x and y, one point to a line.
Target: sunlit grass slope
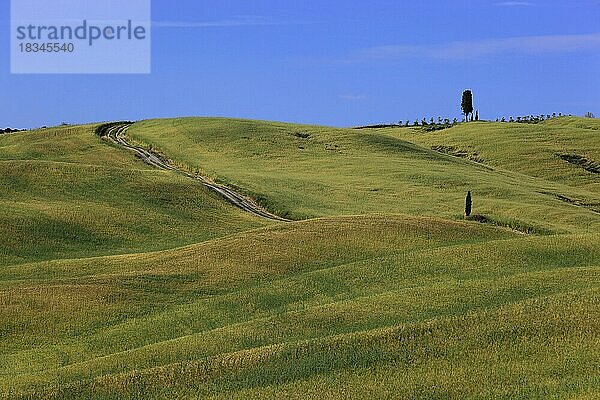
306	171
65	193
119	281
532	149
348	306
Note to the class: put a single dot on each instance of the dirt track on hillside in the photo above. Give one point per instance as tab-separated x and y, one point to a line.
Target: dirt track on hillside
116	134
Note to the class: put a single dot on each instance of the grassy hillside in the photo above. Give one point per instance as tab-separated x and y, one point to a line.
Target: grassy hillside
145	285
565	150
248	291
67	194
307	171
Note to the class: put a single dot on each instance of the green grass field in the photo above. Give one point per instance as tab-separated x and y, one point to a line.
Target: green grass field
121	281
308	171
67	194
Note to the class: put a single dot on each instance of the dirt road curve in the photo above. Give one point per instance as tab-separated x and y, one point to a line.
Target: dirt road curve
115	133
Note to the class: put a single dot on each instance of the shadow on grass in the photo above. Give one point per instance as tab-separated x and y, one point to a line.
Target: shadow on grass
518	226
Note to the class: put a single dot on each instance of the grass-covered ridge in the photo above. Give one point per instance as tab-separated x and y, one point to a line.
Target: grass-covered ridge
216	298
145	285
542	150
307	171
67	194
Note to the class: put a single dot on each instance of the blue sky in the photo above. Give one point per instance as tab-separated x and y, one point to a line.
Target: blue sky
333	62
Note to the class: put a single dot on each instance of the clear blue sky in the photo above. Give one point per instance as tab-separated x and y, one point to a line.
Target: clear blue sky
335	62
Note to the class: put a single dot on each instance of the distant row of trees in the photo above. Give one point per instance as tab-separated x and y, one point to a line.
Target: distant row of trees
470	114
530	119
440	122
426	122
468	109
9	130
527	119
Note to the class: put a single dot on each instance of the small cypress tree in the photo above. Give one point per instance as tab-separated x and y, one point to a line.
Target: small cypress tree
477	115
468	205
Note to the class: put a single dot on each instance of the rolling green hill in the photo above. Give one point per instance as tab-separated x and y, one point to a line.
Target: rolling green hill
565	150
309	171
147	285
67	194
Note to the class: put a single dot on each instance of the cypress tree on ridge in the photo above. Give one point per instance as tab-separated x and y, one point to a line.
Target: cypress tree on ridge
467	104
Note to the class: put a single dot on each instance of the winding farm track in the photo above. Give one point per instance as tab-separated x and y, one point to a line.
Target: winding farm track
115	132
